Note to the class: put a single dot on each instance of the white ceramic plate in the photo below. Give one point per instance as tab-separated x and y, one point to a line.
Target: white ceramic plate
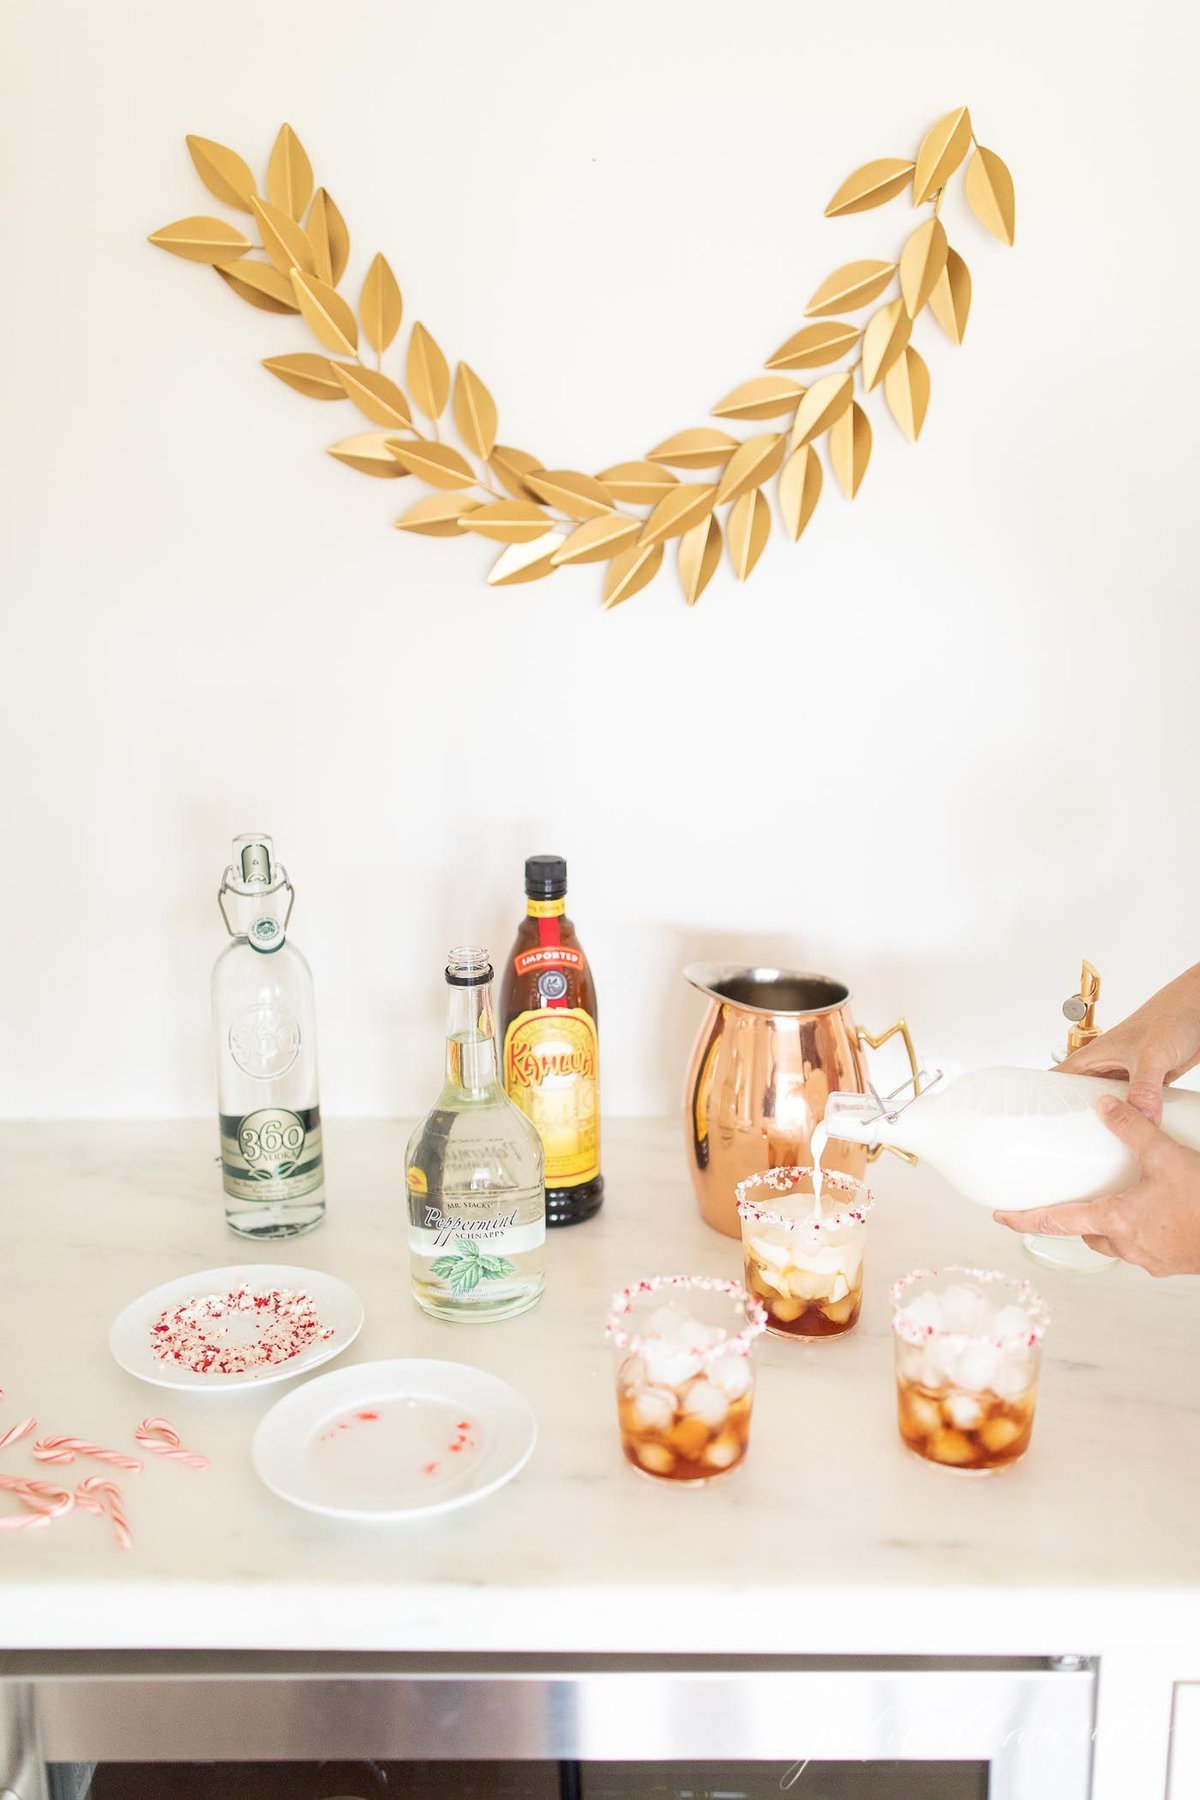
394	1440
338	1308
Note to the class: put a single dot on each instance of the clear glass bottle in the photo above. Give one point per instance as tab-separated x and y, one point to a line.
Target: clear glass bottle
272	1165
476	1193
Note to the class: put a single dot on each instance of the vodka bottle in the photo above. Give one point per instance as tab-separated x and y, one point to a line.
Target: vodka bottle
476	1196
272	1165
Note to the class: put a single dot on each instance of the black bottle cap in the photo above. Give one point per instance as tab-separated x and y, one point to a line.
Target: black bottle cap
545	877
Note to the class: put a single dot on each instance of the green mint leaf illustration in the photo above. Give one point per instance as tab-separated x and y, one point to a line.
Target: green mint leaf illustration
468	1246
443	1267
467	1275
495	1268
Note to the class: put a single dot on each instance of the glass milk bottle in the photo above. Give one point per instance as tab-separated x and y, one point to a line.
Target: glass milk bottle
272	1167
1072	1253
475	1167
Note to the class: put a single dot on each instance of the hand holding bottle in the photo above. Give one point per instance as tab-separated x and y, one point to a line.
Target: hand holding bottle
1155	1222
1152	1046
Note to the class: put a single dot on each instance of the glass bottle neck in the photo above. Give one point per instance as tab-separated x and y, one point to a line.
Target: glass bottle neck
471	1040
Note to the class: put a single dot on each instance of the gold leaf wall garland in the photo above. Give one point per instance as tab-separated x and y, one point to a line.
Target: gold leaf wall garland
543	518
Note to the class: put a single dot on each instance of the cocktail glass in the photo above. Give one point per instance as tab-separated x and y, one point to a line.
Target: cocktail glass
968	1354
685	1379
803	1250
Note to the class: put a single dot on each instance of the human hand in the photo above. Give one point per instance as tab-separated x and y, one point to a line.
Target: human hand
1154	1223
1152	1046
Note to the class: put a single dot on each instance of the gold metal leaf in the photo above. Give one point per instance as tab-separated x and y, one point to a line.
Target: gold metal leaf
751	464
800	488
950	301
747	529
678	511
326	314
814	345
765	397
699	554
850	449
376	396
260	283
870	186
631	570
906	390
438	515
921	263
704	447
942	149
511	467
438	464
330	239
428	373
855	284
884	339
284	241
309	374
638	483
510	521
526	562
289	174
380	305
474	412
370	453
598	540
989	188
223	172
825	401
202	240
579	496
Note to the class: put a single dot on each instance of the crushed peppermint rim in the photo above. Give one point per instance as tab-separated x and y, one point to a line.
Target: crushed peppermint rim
783	1179
189	1333
1021	1293
738	1344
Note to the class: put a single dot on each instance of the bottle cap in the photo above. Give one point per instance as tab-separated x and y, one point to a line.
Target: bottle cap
469	966
545	877
252	863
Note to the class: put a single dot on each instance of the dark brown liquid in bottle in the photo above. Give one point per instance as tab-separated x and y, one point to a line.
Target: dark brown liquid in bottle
550	1056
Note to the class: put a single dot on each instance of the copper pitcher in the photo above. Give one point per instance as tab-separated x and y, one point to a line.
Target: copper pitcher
774	1045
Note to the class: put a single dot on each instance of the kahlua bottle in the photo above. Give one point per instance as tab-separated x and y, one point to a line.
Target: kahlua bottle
551	1045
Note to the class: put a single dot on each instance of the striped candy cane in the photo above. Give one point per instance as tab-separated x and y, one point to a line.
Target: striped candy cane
161	1438
86	1496
66	1449
15	1433
42	1500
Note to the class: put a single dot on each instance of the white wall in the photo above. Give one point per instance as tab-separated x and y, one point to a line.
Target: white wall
942	747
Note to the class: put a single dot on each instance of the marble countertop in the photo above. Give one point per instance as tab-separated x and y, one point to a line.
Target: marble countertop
831	1539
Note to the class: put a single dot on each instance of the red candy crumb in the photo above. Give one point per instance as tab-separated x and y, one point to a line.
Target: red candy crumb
192	1334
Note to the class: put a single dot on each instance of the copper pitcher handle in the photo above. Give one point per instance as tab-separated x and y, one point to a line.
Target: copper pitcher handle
899	1027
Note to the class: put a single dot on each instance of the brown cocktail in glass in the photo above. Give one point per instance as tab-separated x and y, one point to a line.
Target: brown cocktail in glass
803	1239
685	1380
968	1354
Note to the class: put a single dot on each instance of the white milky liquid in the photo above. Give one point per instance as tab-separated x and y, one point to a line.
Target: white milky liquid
820	1138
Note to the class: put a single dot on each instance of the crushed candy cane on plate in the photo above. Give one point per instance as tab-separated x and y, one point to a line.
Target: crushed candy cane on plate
245	1328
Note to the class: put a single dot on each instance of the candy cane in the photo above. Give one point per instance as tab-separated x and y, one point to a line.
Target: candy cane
85	1495
15	1433
66	1449
43	1501
161	1437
